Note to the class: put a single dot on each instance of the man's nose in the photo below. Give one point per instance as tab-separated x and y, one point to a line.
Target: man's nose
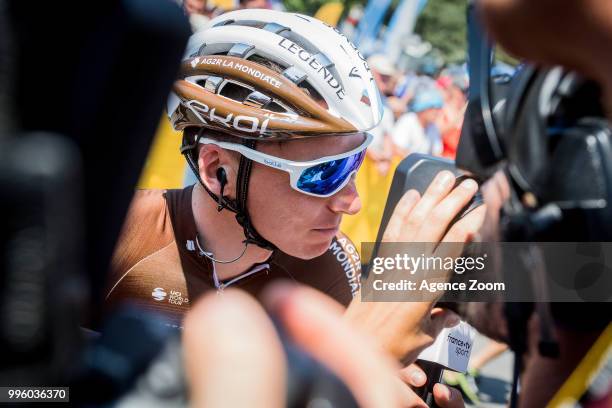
347	200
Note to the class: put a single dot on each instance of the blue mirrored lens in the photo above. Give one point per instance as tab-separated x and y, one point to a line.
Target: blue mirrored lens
326	178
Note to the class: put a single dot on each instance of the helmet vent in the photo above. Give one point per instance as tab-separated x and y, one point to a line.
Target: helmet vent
275	28
275	107
295	75
240	50
224	23
257	100
235	91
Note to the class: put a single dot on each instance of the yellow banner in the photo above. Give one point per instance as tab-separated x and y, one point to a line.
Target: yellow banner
165	166
330	13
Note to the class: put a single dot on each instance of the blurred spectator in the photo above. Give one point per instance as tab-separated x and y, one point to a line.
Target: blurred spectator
404	92
450	120
381	150
398	106
384	72
195	6
198	13
416	131
253	4
348	27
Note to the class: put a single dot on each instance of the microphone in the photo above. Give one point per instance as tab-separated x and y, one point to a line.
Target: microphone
450	351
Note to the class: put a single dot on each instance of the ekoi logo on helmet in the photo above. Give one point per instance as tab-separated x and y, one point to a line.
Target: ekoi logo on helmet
242	123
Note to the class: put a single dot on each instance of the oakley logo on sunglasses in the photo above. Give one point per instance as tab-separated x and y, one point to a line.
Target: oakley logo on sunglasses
242	123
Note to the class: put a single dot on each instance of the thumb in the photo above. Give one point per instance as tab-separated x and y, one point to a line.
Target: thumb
447	397
442	319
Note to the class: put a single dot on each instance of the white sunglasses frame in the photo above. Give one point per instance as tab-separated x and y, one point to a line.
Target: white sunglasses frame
294	168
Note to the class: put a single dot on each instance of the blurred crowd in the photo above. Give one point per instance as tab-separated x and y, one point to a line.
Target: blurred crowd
423	113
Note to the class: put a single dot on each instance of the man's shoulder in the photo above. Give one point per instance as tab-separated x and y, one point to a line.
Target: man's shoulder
147	229
408	119
148	211
149	267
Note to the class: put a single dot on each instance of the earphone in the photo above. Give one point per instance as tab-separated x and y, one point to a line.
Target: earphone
222	177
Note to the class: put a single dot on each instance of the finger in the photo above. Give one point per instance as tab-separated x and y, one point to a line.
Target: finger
430	328
445	318
407	397
215	351
413	375
275	294
397	223
447	397
441	185
495	192
307	318
503	185
467	227
439	319
441	216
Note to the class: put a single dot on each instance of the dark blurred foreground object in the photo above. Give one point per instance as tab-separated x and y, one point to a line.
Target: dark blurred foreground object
138	362
546	129
100	77
41	284
79	110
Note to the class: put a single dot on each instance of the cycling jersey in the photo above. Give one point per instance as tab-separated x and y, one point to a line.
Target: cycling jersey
157	264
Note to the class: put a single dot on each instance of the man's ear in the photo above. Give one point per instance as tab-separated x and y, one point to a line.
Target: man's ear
210	159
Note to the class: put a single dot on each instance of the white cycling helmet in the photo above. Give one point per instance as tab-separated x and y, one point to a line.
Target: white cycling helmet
265	74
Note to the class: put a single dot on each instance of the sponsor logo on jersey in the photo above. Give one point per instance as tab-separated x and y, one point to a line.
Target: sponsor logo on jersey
174	297
347	256
159	294
177	298
190	245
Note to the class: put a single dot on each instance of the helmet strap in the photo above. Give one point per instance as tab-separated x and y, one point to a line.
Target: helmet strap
238	206
242	189
188	150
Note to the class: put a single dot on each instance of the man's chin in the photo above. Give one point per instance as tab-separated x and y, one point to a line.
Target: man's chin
310	251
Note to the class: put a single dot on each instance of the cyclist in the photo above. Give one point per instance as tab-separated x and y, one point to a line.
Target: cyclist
274	108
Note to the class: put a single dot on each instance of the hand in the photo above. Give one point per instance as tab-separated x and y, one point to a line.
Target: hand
426	219
233	356
445	397
529	30
403	329
315	323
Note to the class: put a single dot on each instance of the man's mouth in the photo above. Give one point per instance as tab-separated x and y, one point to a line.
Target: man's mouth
331	230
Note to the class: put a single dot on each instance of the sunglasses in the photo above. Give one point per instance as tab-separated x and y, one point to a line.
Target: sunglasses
322	177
